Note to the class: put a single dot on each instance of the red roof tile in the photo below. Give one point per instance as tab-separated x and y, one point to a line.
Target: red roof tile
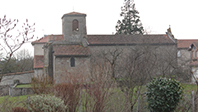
114	39
74	50
185	43
48	38
19	73
128	39
38	61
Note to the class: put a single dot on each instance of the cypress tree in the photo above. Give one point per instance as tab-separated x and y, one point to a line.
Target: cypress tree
130	24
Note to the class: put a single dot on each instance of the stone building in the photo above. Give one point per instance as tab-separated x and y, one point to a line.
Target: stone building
191	56
70	54
184	54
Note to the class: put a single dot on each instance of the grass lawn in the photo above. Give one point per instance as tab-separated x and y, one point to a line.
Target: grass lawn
13	99
188	88
24	86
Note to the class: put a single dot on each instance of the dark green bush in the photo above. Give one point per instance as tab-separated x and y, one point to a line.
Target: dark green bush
163	95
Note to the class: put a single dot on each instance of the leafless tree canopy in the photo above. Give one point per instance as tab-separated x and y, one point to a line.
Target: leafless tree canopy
12	38
131	67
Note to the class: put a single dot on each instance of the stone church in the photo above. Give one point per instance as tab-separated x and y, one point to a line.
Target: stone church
70	52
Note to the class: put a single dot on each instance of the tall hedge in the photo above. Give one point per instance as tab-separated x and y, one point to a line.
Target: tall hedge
163	95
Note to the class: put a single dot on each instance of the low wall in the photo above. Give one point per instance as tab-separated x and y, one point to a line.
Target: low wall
22	77
4	90
20	91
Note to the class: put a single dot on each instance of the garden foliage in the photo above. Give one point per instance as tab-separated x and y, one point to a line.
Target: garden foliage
69	93
163	95
46	103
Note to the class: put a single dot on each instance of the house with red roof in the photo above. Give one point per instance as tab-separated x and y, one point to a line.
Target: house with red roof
188	50
69	54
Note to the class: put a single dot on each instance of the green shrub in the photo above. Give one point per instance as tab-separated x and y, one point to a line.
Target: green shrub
163	95
46	103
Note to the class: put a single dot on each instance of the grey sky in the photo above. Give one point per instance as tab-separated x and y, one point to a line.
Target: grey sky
102	15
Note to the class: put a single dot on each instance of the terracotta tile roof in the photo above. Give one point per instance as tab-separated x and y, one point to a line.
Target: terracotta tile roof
38	61
185	43
19	73
128	39
48	38
71	50
113	39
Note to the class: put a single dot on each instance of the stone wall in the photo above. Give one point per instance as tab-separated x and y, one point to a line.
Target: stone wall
73	36
164	57
4	90
38	72
64	72
38	49
23	77
20	91
184	57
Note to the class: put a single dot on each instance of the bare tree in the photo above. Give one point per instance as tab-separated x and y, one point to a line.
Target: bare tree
131	67
12	39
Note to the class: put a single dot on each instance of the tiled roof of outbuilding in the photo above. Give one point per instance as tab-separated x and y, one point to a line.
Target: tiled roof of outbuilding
19	73
38	61
70	50
185	43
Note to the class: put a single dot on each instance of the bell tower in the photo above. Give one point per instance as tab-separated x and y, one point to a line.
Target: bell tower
74	27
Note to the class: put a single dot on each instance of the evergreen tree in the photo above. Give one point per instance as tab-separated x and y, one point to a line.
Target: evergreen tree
131	23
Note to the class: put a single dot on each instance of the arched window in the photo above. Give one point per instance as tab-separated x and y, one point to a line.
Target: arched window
75	25
178	54
72	62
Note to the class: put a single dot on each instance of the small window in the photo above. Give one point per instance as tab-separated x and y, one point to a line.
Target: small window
179	54
72	62
75	25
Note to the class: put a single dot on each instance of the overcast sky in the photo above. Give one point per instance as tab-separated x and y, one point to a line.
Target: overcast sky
102	15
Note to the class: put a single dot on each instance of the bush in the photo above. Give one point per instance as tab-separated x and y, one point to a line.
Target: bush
42	84
163	95
69	93
19	109
46	103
